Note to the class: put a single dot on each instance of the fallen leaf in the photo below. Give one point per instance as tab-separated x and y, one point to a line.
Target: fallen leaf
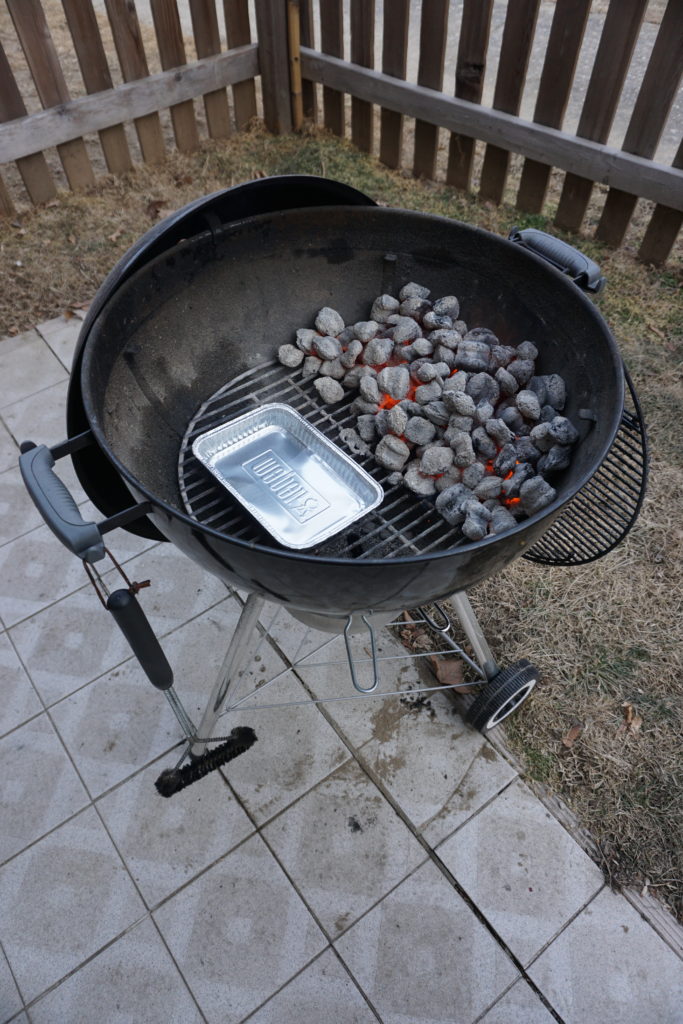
71	239
572	734
449	672
632	722
114	237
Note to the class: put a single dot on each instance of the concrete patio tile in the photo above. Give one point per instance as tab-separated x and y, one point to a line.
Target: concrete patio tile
35	570
522	869
438	770
239	932
40	787
166	842
26	365
10	1000
422	956
610	966
18	514
322	992
19	699
344	847
63	899
9	452
521	1005
61	334
134	979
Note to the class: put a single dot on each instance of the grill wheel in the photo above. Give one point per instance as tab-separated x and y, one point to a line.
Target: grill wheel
502	695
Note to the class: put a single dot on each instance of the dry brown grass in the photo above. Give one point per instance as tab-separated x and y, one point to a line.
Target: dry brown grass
602	634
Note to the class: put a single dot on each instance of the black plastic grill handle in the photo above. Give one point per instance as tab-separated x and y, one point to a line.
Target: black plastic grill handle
583	271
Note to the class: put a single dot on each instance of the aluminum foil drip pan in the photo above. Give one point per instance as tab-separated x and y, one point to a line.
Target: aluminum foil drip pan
300	486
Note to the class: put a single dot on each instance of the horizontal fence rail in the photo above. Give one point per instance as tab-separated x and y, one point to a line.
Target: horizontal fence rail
471	92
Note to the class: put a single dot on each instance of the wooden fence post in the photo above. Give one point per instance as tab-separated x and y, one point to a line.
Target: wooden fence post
433	34
239	34
469	83
663	228
394	60
208	42
271	31
33	169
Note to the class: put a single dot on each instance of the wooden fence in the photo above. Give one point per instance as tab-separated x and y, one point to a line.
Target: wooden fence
317	58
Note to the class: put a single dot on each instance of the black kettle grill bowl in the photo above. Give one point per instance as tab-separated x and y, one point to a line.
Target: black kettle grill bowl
221	303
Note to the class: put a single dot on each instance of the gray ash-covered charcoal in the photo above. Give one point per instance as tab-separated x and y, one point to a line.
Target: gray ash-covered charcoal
431	321
429	392
472	355
414	307
521	473
463	449
332	368
417	482
541	437
327	347
548	414
378	352
382	422
522	370
537	385
527	403
290	355
353	350
366	330
391	452
311	366
353	378
459	402
456	423
383	307
445	355
506	382
365	426
329	321
502	520
413	290
448	479
330	390
482	334
489	487
450	503
405	330
397	419
559	457
426	372
359	407
501	355
477	519
347	335
506	460
394	381
419	430
484	446
447	305
473	475
556	391
412	408
436	460
499	431
443	370
563	430
527	350
305	337
354	442
512	418
437	413
369	389
421	348
445	337
535	494
526	450
483	412
456	382
483	385
394	479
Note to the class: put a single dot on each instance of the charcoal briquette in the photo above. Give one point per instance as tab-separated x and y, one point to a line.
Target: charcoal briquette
510	487
383	307
483	412
482	334
505	460
414	307
365	426
449	478
419	430
369	389
311	365
378	351
353	350
329	321
413	290
327	347
417	482
436	460
394	479
563	430
456	423
391	452
459	402
332	368
443	370
527	350
559	457
526	450
498	430
437	413
446	337
548	414
406	330
354	376
447	305
290	355
457	381
449	503
512	418
472	355
537	385
556	391
506	382
305	337
428	392
431	321
477	519
501	356
483	385
354	442
347	335
522	370
426	372
463	448
420	348
394	380
366	330
445	355
473	474
330	390
484	446
542	437
527	403
359	407
488	487
502	520
535	494
397	419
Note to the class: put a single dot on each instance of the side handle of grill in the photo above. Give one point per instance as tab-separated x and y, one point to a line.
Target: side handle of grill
56	505
583	271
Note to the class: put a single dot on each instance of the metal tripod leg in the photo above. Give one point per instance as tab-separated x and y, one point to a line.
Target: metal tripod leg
230	669
474	633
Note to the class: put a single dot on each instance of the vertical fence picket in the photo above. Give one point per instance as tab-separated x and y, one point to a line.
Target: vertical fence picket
6	204
332	42
238	32
518	34
650	112
271	32
362	52
33	169
133	63
433	30
566	36
207	40
394	63
92	61
172	54
663	228
612	59
307	38
469	83
41	56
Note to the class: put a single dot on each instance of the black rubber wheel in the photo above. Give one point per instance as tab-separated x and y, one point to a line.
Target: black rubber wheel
502	695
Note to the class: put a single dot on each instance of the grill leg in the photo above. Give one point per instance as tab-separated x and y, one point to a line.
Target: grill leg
474	633
239	648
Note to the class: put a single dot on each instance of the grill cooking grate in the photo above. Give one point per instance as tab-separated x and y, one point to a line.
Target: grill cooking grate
402	525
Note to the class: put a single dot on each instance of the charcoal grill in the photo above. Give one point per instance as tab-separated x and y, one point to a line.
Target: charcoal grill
206	302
